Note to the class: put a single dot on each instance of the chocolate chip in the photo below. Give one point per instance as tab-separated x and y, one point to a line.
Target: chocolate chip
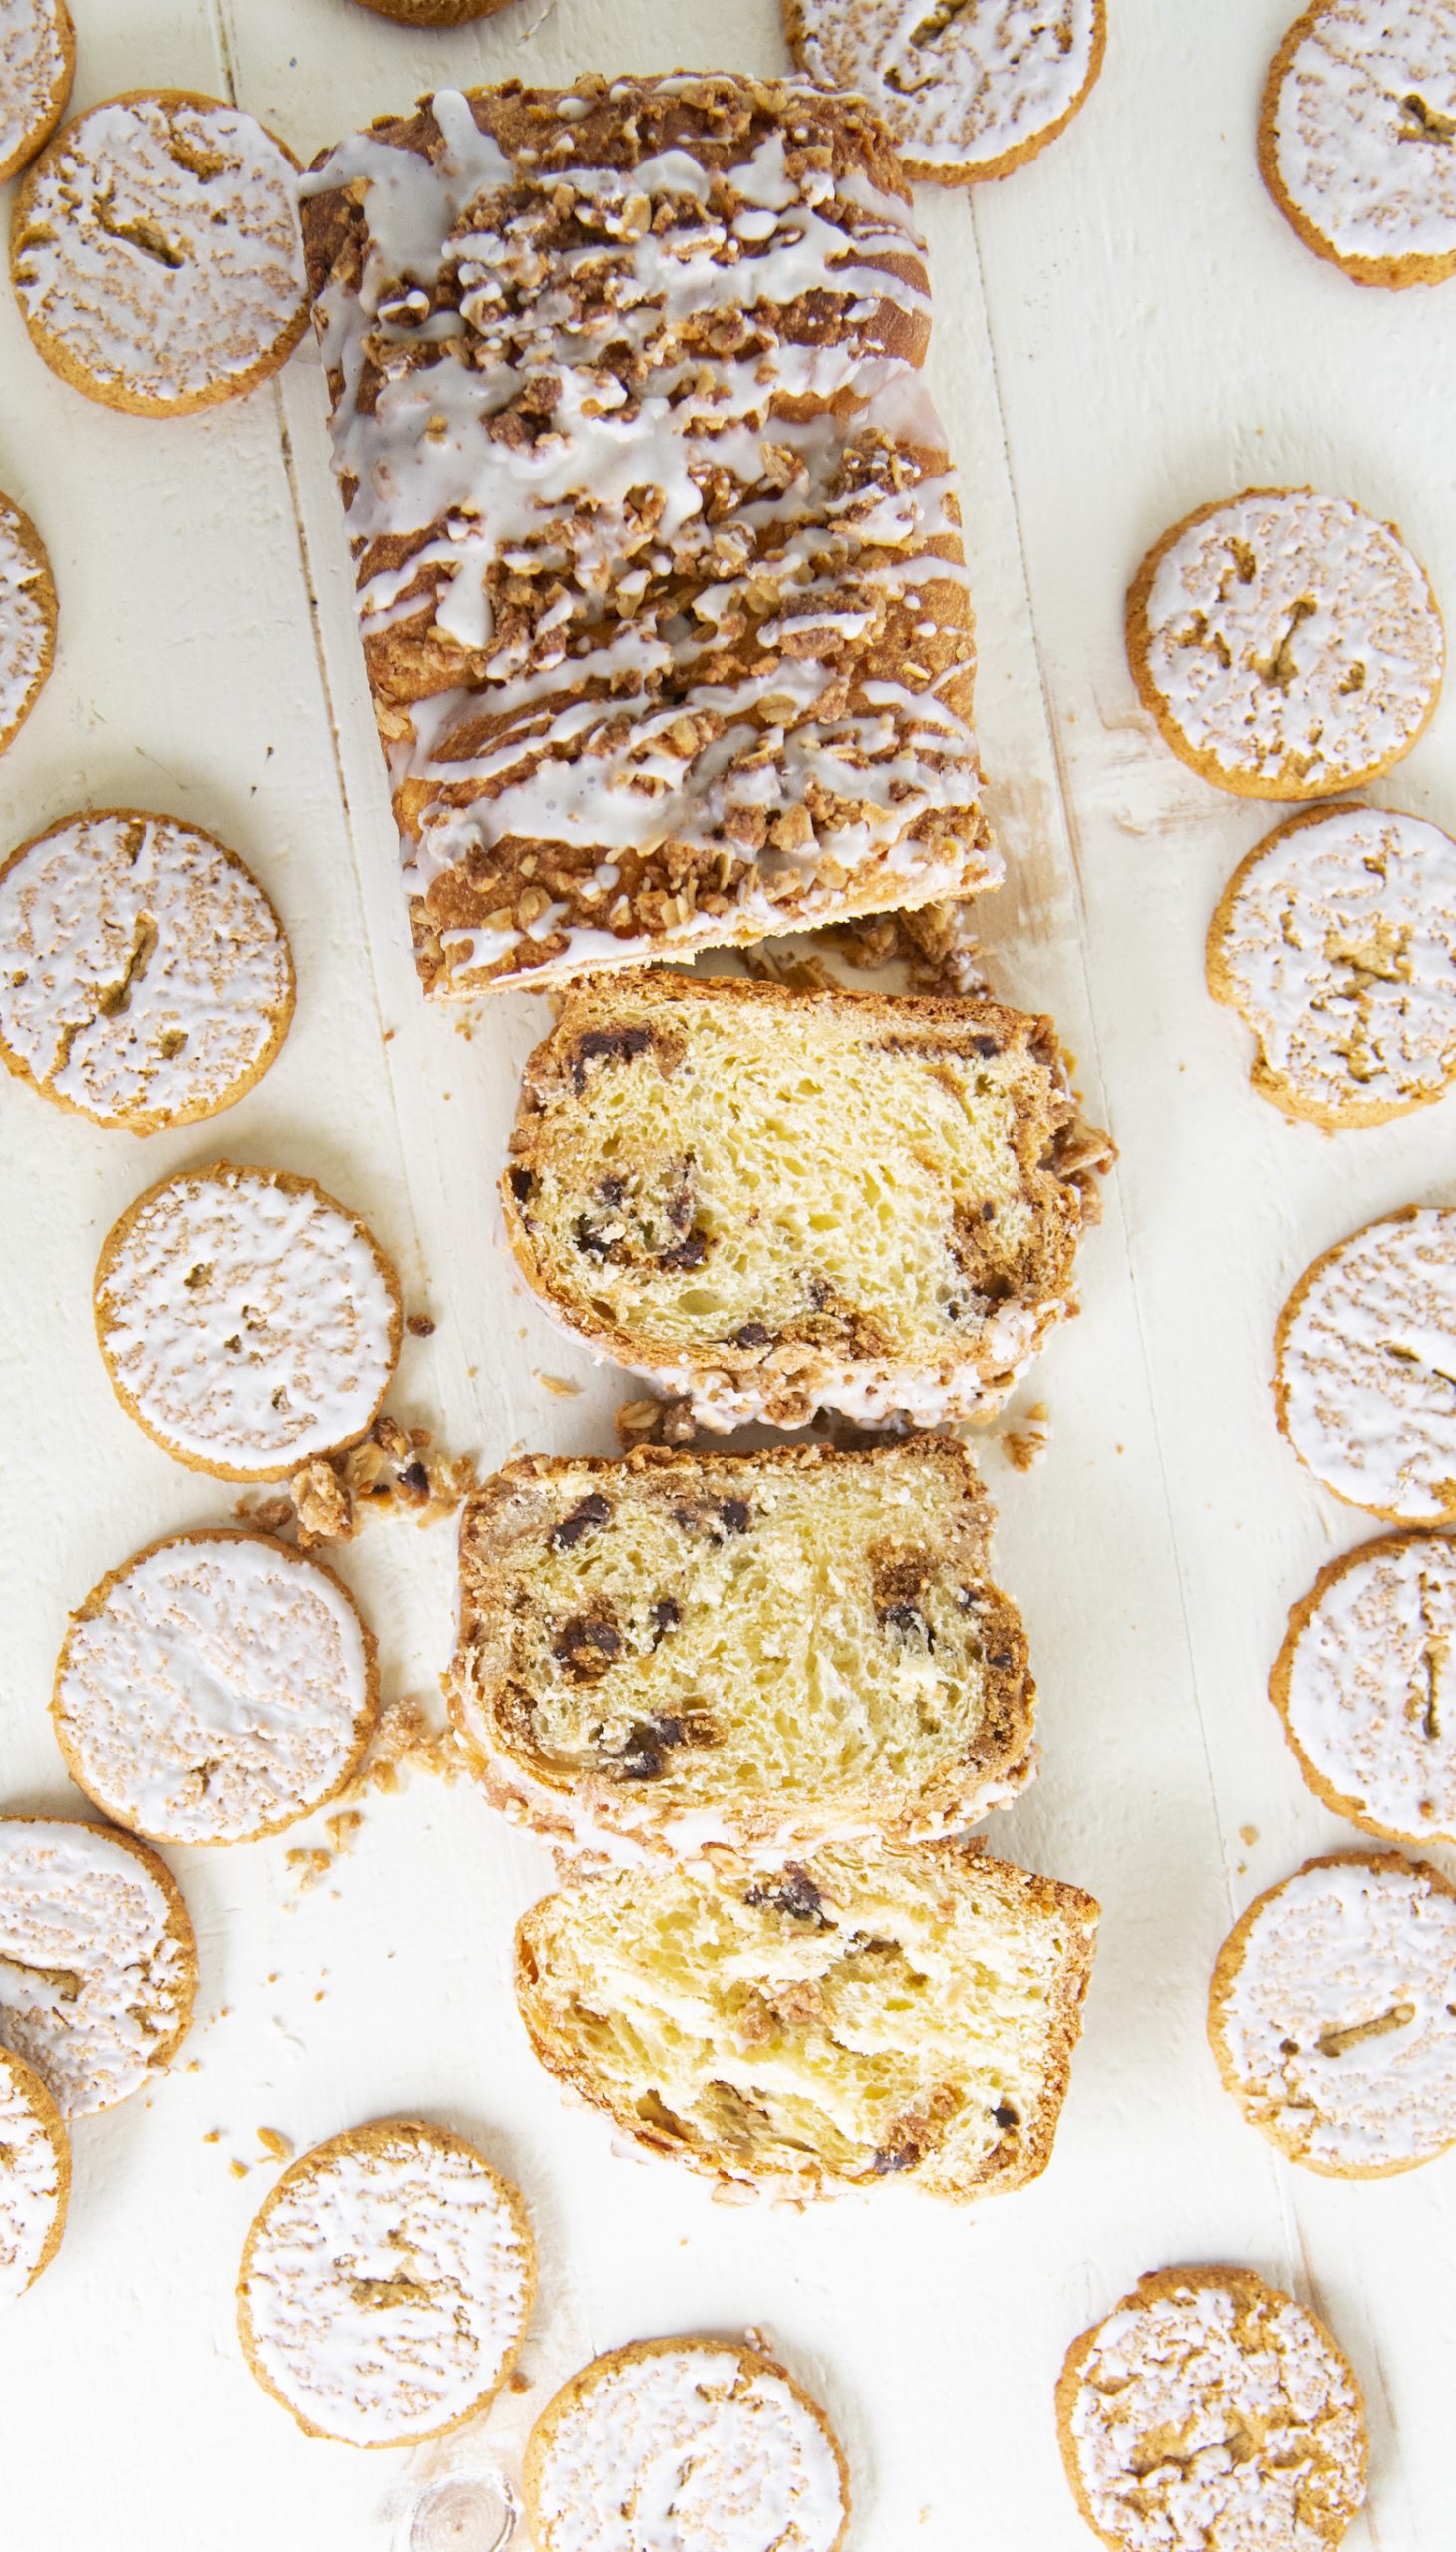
794	1893
592	1511
611	1190
416	1478
986	1046
733	1515
591	1242
587	1646
522	1184
607	1045
910	1622
688	1254
752	1334
1005	2117
666	1616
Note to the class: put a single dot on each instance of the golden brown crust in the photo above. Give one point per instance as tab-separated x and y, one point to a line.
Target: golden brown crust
1282	1326
59	356
1016	2160
179	1922
1058	1159
55	104
295	1184
149	1121
754	2362
798	29
1393	273
94	1603
18	522
1269	1084
1225	1977
1301	1614
489	1682
1248	2290
48	2117
375	2136
1244	783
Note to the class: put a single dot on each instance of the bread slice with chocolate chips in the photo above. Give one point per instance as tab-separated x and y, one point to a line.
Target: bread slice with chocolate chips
764	1650
774	1201
877	2011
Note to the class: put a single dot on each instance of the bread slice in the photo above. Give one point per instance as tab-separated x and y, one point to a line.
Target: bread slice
878	2009
776	1200
765	1650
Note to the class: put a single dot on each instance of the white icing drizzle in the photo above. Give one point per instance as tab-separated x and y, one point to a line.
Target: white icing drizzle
142	971
1370	1702
1338	2022
607	727
694	2448
158	246
1340	949
96	1961
32	2193
1209	2416
1365	128
26	609
252	1322
962	84
32	78
385	2285
1365	1372
1293	638
219	1689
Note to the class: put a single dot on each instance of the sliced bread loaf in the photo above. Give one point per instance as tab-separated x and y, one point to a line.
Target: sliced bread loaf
775	1200
764	1650
875	2011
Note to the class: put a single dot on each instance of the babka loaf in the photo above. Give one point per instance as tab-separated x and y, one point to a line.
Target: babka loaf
658	548
876	2010
774	1201
764	1650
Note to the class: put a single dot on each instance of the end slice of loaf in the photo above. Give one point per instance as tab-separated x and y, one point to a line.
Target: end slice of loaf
774	1201
876	2011
765	1650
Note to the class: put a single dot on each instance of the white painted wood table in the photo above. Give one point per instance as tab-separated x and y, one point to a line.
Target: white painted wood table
1124	329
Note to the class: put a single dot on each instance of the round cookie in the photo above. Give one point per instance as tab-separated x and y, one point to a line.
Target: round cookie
435	13
968	88
1209	2408
693	2446
36	65
98	1959
155	254
385	2285
1363	1352
1287	644
27	619
1356	137
144	978
1336	941
1363	1684
247	1321
35	2176
215	1689
1330	2015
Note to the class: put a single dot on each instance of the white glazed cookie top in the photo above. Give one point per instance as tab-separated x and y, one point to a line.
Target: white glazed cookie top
1370	1701
1217	2413
687	2449
218	1690
664	351
158	244
1340	949
32	73
1293	636
31	2190
1365	128
387	2285
1336	2024
25	622
1365	1365
142	971
960	83
95	1970
250	1321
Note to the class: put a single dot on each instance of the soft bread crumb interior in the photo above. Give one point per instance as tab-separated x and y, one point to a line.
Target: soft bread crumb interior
875	2011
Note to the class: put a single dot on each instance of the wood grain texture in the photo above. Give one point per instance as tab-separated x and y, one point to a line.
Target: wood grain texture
1125	329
